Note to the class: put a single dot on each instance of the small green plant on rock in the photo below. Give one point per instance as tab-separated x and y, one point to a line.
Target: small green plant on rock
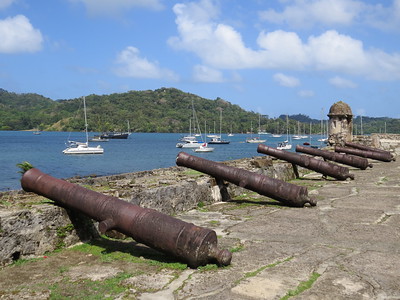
62	233
237	248
201	207
24	166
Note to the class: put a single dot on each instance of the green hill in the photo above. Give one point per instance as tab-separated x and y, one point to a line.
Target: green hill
161	110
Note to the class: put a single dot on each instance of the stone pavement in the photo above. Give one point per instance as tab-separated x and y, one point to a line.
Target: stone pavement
347	247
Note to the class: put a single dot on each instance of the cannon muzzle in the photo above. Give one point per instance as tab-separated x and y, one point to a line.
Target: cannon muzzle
320	166
347	159
185	241
285	192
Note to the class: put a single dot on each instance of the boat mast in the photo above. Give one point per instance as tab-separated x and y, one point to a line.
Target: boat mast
86	124
220	123
287	128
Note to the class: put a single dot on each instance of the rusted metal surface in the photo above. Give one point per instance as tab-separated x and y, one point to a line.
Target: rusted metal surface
189	243
367	148
285	192
347	159
387	157
320	166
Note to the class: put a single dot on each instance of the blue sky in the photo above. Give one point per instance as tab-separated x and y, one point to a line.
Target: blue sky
271	57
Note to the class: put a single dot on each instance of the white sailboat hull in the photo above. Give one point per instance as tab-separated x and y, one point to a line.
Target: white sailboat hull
84	149
286	147
255	141
190	145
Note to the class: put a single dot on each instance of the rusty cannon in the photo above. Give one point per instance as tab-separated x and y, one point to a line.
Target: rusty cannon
187	242
347	159
381	156
285	192
367	148
320	166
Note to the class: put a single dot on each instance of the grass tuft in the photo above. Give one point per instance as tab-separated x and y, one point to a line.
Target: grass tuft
304	285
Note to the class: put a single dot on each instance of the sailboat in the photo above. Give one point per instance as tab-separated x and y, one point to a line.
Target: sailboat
277	134
231	132
37	132
324	138
285	145
203	146
214	135
218	139
190	141
83	148
117	135
255	140
298	136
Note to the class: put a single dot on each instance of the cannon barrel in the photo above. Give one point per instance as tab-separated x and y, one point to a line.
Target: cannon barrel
320	166
387	157
285	192
185	241
367	148
347	159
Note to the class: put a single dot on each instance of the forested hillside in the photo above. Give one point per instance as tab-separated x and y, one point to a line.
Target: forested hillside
161	110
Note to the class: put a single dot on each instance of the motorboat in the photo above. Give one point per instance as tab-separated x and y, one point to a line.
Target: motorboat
284	146
217	140
98	138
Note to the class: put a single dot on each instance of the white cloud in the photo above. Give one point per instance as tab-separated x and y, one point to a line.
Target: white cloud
383	17
306	93
131	64
206	74
336	52
305	13
342	83
218	45
17	35
221	47
117	7
285	80
281	49
6	3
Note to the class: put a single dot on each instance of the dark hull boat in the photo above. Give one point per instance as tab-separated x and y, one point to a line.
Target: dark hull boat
115	135
218	140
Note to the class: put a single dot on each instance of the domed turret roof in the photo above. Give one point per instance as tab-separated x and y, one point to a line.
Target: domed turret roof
340	109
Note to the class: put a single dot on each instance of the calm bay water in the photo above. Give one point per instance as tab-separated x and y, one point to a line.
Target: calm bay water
141	151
